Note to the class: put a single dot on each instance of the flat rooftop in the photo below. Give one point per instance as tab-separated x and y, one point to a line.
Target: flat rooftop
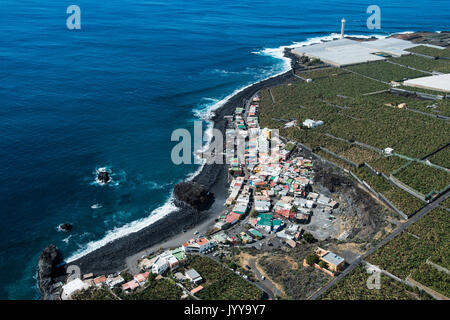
332	258
438	82
344	52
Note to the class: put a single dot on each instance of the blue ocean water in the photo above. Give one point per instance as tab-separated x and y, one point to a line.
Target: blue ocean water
110	95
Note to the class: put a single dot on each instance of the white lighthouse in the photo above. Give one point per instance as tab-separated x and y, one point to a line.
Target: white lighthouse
343	27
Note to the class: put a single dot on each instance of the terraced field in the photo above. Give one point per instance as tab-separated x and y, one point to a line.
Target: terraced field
387	164
359	155
422	90
422	63
221	283
398	197
432	52
354	287
386	71
423	178
365	119
442	158
321	73
407	254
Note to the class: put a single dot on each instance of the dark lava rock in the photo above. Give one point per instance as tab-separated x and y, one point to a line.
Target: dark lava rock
48	270
65	227
194	195
103	177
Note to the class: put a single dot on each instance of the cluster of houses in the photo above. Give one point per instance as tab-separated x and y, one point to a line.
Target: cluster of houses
274	186
281	191
157	265
87	281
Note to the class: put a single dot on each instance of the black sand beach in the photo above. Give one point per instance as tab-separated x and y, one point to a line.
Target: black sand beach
112	257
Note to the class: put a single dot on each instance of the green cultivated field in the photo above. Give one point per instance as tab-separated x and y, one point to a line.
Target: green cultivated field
386	71
365	119
436	107
446	203
432	52
387	164
407	254
432	278
359	155
337	161
354	287
321	73
423	90
423	178
221	283
425	64
399	198
442	158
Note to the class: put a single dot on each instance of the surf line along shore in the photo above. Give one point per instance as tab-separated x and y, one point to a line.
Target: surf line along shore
168	231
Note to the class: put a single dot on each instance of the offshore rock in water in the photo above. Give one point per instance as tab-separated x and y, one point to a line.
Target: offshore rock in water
103	176
65	227
48	270
194	195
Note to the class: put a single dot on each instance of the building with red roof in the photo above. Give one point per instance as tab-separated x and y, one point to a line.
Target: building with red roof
130	286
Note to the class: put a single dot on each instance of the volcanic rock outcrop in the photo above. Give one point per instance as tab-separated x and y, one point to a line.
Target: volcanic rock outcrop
193	195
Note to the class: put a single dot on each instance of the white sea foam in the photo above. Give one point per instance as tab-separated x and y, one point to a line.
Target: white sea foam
153	185
116	178
205	112
127	229
96	206
66	240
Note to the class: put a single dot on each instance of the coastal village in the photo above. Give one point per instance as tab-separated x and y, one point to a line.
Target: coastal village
270	202
275	208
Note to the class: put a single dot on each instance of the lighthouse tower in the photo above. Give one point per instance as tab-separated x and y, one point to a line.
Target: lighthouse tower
343	27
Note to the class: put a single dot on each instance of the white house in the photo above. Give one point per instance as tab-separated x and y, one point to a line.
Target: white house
309	123
193	276
323	200
112	282
160	265
71	287
200	245
388	151
283	235
303	203
262	206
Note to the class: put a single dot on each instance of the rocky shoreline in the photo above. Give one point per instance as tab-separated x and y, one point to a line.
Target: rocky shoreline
111	257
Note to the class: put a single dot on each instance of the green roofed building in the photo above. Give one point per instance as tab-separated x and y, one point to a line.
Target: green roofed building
179	254
264	221
277	223
256	233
